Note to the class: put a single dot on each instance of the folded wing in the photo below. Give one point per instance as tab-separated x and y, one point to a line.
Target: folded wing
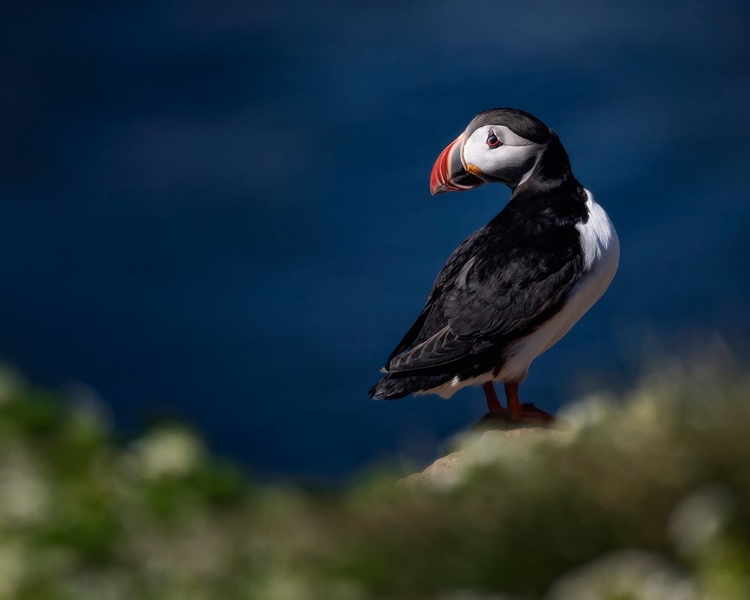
482	301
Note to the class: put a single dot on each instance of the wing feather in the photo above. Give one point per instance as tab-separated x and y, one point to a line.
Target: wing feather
494	289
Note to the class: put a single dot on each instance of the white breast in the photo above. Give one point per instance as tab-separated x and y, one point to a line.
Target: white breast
601	254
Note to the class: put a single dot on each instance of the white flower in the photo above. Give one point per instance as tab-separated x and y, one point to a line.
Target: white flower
625	574
168	452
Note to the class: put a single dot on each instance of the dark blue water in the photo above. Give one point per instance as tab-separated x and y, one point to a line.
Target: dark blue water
220	211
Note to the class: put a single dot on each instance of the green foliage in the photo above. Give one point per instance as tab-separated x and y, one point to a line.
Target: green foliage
644	497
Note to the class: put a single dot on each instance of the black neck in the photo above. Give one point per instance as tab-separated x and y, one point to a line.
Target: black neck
552	172
550	190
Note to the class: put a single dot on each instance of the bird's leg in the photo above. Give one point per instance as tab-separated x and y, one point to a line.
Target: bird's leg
523	412
514	404
493	403
516	411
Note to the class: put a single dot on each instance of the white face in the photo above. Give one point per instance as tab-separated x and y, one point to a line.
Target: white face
498	152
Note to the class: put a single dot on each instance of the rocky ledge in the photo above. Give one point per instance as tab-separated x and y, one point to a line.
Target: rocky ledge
489	437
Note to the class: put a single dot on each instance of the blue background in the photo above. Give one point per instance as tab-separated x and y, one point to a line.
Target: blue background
220	212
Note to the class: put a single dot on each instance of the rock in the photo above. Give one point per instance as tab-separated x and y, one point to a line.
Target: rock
487	437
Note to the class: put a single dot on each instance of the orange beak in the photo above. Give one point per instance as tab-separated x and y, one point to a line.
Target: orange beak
448	173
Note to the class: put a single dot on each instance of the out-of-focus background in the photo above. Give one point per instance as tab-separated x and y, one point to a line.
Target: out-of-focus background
219	212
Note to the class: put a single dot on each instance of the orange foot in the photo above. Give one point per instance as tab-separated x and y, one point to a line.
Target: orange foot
516	412
529	412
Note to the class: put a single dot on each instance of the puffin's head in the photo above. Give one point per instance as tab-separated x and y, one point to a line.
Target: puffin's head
501	145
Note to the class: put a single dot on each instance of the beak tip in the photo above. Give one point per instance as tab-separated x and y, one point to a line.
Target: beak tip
436	183
440	175
437	189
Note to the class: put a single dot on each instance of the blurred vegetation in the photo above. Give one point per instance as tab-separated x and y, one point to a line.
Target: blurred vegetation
644	497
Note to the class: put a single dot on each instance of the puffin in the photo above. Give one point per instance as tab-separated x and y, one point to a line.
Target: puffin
516	286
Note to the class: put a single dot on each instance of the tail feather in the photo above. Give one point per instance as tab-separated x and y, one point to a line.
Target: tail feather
394	386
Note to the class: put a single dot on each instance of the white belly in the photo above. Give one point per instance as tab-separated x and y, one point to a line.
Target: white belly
601	255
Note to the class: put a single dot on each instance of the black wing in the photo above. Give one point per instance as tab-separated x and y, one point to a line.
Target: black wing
499	285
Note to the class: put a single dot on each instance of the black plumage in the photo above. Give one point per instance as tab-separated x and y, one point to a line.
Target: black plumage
501	283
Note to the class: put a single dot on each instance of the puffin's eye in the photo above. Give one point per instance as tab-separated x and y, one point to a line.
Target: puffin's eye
492	140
